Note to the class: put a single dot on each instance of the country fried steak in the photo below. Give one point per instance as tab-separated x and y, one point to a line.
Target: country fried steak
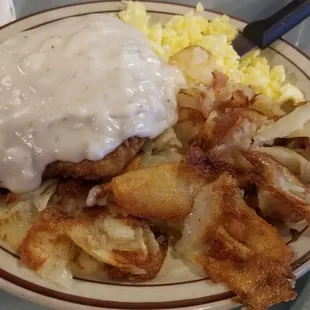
106	168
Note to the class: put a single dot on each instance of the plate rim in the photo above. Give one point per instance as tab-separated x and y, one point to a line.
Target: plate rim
303	263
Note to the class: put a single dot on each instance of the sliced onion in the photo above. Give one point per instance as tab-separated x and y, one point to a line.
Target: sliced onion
287	125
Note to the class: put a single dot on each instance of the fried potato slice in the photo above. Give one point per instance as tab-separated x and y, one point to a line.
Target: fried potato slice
99	234
237	127
20	211
152	264
123	242
274	208
189	114
216	148
205	82
219	82
84	264
15	221
227	131
273	177
61	241
236	95
295	162
206	164
206	97
195	62
189	124
237	247
111	165
46	249
160	192
190	98
238	99
266	106
165	149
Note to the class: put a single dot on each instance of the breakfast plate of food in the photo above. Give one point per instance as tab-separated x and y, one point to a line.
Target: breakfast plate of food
144	165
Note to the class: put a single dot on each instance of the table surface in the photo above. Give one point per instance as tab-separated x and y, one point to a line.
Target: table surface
245	9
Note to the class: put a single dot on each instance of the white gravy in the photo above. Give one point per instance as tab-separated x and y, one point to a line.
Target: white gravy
76	89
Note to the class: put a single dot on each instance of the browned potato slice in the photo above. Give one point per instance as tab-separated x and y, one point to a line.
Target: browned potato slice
20	211
237	247
46	250
273	177
189	98
215	148
195	62
190	122
99	234
159	192
274	208
84	264
235	128
152	264
15	222
60	242
126	243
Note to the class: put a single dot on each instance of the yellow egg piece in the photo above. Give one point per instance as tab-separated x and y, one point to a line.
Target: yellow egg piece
215	36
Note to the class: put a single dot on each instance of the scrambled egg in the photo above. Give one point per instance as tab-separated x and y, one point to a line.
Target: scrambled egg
215	36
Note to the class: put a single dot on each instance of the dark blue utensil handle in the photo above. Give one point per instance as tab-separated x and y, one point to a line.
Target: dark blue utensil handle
265	32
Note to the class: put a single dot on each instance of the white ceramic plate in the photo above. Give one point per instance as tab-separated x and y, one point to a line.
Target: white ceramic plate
177	285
